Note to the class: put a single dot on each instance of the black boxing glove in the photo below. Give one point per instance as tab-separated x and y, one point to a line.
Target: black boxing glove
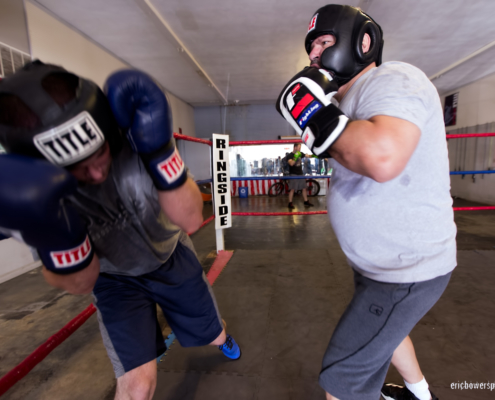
305	102
32	194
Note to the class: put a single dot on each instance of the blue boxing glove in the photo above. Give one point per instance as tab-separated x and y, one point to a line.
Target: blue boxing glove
140	106
32	194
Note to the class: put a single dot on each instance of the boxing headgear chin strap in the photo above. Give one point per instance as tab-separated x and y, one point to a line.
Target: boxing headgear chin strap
67	134
345	59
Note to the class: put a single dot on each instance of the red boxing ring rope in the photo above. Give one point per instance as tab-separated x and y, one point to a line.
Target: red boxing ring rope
191	139
21	370
206	221
474	208
257	214
258	142
294	141
468	135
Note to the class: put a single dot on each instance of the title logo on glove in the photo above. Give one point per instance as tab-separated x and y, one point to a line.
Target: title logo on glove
72	141
172	167
72	257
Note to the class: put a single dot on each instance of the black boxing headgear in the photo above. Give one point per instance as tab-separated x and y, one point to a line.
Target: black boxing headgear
345	59
65	133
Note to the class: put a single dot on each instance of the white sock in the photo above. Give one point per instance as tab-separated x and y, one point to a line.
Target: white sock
420	389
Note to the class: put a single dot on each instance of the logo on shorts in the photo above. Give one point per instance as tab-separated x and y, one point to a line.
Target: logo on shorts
377	310
312	24
171	169
72	257
70	142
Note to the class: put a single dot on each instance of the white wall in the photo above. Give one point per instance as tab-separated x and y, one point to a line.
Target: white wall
16	259
244	122
13	29
182	115
53	42
197	158
475	113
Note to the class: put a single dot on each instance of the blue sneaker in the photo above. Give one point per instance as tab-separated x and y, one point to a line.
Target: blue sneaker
230	348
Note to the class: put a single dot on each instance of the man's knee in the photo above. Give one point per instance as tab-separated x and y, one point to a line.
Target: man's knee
137	384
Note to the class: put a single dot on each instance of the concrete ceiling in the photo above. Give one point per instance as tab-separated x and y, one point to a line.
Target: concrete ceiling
210	52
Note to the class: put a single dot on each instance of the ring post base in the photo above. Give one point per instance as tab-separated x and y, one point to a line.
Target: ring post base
219	240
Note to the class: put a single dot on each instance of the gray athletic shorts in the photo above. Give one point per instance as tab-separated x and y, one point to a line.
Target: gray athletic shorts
377	320
297	184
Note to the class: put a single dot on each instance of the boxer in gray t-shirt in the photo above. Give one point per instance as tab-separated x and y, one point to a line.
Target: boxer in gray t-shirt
389	202
401	230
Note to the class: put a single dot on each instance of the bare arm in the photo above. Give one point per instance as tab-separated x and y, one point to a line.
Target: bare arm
80	282
183	206
378	148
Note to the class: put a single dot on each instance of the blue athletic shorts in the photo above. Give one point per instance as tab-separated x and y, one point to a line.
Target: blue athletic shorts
127	310
378	318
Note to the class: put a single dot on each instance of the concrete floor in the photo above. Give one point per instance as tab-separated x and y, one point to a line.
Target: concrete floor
281	295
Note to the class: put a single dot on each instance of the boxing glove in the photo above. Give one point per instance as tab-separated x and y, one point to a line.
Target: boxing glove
141	108
305	102
33	208
297	156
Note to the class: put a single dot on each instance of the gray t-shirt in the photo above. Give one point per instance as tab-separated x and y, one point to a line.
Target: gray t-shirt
402	230
130	233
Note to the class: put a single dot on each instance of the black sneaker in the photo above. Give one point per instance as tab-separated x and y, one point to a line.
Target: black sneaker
291	206
308	204
397	392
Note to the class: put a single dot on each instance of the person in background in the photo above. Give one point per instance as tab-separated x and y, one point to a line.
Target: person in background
294	160
306	165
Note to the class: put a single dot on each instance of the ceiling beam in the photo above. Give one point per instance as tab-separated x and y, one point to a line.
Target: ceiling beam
461	61
151	10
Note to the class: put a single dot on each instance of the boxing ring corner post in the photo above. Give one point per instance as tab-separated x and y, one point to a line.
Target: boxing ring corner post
219	237
220	240
222	195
